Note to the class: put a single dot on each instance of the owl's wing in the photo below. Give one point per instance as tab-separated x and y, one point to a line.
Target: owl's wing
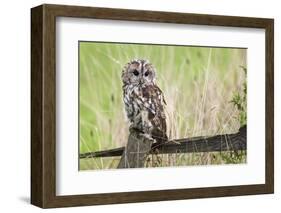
160	93
154	102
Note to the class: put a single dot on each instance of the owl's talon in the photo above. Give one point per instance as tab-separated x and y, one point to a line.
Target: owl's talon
148	137
133	129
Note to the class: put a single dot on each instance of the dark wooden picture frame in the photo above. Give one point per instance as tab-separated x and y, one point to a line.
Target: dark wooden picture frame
43	105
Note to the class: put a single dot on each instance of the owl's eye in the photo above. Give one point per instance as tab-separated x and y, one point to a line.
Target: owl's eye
146	73
136	73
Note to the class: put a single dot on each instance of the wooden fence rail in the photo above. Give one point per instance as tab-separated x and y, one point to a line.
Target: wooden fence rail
137	148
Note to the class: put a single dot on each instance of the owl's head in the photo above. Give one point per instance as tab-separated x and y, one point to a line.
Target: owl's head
138	72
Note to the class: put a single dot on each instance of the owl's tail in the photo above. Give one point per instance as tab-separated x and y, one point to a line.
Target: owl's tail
159	136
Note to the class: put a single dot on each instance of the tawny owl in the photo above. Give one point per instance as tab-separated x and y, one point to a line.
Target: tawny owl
144	100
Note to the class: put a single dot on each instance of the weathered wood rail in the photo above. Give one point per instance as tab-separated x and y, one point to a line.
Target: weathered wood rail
137	148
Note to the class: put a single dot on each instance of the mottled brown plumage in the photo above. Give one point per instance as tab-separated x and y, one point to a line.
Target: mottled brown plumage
144	100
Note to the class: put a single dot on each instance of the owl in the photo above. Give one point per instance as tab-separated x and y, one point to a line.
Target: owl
144	101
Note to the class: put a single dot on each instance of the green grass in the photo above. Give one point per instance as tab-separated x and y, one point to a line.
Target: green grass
198	84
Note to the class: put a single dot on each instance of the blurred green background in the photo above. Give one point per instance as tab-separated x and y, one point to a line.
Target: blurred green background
198	84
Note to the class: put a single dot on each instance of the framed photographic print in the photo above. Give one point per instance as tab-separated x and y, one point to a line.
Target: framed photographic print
136	106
